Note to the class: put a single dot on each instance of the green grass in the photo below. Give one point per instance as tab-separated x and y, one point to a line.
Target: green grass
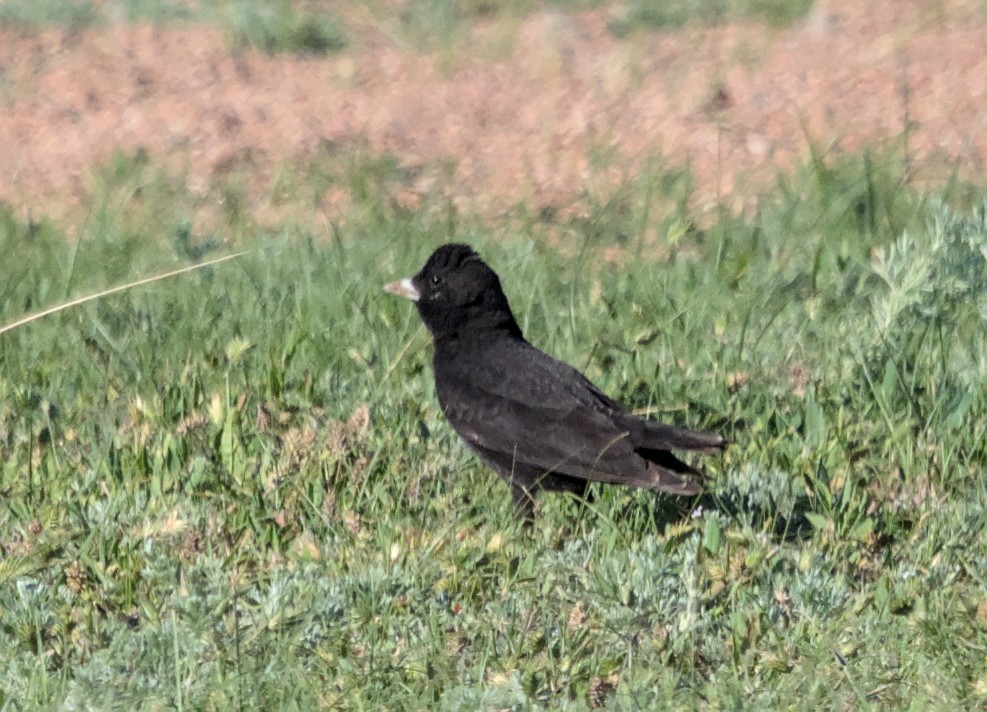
673	14
235	489
266	25
37	13
280	26
427	25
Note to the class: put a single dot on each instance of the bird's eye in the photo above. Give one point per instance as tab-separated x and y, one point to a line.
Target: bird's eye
436	280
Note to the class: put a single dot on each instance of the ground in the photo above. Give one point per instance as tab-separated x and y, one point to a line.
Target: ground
543	110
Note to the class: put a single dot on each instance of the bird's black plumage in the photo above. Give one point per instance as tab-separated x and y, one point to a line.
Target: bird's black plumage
537	422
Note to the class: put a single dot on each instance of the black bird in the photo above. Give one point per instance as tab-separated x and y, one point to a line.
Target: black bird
539	423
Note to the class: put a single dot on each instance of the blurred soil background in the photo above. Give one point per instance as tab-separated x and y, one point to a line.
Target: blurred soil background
488	105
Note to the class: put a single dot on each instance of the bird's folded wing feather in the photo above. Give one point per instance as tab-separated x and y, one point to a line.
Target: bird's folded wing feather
541	412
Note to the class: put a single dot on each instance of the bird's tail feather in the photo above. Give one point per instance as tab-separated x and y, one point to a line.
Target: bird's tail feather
671	474
680	483
655	436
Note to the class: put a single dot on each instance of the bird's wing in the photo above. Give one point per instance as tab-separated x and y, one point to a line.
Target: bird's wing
515	400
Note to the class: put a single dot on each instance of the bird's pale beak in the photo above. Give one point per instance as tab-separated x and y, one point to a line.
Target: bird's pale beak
403	288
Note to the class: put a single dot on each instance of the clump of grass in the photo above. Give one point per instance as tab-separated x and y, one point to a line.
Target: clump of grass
674	14
778	13
157	12
276	26
282	26
32	14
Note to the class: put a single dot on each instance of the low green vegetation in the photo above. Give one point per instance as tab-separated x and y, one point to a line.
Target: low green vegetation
673	14
235	489
279	26
38	13
268	25
308	27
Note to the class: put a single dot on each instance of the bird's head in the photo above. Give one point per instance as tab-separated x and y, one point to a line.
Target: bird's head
456	292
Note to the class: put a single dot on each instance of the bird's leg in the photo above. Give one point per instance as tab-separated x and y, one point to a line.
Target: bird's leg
524	502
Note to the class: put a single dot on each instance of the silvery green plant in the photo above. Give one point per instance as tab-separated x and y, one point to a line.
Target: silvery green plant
935	275
934	279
